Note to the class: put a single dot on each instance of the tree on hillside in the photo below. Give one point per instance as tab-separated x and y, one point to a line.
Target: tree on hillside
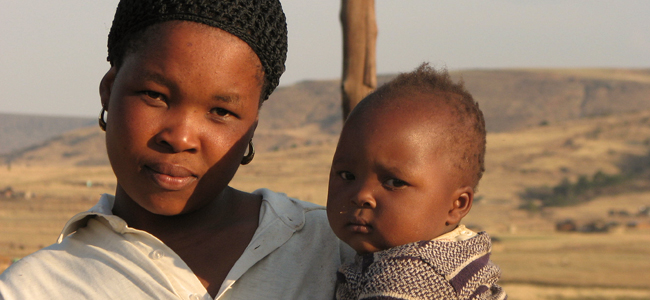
359	52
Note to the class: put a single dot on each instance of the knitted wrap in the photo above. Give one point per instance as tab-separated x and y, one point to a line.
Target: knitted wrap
437	269
259	23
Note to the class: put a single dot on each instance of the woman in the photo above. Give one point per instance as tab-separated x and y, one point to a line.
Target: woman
187	79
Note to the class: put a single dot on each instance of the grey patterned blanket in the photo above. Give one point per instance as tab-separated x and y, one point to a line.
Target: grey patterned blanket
437	269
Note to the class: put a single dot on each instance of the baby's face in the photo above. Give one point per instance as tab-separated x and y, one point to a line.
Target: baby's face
389	185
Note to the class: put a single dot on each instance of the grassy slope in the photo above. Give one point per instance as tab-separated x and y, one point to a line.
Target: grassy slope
530	253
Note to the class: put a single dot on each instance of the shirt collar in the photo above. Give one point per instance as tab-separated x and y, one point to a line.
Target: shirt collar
461	233
103	209
290	212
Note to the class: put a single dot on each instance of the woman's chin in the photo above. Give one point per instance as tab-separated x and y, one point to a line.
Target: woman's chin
166	208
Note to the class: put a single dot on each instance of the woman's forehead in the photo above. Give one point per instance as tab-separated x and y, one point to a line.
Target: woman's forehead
164	32
208	42
259	23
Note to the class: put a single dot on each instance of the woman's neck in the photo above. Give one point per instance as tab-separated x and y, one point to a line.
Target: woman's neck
209	239
223	209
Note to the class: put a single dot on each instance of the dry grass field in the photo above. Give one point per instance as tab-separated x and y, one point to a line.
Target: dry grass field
537	262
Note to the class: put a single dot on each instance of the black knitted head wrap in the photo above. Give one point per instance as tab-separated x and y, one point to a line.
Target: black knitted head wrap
259	23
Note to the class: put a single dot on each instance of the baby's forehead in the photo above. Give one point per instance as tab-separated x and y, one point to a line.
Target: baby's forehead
418	107
403	120
423	116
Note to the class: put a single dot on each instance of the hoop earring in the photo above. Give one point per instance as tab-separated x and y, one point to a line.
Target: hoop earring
251	153
102	123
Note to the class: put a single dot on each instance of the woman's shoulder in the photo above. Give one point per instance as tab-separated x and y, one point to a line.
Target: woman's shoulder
307	220
292	211
297	214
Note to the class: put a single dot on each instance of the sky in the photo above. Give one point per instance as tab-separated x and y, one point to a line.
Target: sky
53	53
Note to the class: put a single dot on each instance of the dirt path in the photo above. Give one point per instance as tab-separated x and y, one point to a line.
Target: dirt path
537	292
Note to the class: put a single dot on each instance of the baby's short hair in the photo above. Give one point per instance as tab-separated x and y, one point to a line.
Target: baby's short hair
466	135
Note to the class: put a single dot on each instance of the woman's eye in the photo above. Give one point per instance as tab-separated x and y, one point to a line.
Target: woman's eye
154	99
395	183
346	175
220	112
154	95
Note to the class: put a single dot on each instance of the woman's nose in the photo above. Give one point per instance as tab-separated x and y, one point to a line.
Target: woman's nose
178	133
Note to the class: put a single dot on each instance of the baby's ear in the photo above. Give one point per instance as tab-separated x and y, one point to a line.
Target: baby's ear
462	203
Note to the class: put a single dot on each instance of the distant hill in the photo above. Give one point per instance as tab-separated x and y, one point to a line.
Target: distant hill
534	156
81	147
514	99
309	112
546	127
20	131
510	99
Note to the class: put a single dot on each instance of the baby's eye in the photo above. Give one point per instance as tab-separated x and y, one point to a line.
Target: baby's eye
346	175
395	183
220	112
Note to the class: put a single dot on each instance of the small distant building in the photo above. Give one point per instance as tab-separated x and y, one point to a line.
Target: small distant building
8	193
643	225
566	225
595	226
618	213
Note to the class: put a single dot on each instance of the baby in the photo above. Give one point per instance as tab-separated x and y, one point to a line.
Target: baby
404	174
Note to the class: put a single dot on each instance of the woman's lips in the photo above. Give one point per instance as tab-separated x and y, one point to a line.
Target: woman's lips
169	177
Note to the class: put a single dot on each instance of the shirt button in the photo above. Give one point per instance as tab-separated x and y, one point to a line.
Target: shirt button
195	297
156	254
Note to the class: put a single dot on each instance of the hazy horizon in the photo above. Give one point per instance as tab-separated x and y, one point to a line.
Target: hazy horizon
51	63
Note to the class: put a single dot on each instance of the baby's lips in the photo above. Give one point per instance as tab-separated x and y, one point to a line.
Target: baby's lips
358	221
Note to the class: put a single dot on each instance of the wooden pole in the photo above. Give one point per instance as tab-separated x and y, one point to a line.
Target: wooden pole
359	25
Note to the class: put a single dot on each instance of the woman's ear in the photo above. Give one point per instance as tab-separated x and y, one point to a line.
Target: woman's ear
462	203
106	86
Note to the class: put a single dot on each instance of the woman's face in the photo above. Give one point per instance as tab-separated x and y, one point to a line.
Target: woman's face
181	110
